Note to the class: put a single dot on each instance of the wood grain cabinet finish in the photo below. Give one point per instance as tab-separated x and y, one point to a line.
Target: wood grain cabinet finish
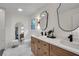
57	51
34	42
41	48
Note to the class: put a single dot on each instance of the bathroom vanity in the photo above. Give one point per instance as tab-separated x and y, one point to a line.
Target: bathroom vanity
39	47
43	46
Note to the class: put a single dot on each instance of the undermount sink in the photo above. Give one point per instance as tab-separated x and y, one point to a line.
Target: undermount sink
73	44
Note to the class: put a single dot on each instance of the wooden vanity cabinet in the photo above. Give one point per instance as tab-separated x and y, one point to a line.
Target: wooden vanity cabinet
41	48
57	51
34	42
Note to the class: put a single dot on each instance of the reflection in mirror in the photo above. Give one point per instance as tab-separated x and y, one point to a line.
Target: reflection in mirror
68	16
44	20
19	32
16	32
33	24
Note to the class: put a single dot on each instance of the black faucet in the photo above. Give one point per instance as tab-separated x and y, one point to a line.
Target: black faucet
42	33
70	37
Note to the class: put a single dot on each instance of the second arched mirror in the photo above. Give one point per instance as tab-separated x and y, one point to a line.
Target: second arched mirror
68	16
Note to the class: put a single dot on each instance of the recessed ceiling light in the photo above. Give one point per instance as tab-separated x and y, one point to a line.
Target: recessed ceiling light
20	9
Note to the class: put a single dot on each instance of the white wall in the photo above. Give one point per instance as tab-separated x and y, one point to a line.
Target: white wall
52	21
11	20
2	28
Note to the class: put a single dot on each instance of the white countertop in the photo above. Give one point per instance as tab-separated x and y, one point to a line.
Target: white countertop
56	42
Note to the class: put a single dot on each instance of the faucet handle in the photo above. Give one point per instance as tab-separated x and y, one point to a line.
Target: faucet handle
70	36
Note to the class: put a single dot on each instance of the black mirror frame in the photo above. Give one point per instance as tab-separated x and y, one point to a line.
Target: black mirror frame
46	19
59	21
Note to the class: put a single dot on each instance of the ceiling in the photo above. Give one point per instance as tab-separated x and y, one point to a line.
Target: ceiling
28	8
68	6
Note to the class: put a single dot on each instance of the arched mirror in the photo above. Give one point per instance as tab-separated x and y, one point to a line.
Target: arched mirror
44	20
19	31
68	16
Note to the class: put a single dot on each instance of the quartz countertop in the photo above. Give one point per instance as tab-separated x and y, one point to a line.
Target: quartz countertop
57	42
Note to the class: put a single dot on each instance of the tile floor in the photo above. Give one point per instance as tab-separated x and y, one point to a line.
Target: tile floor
21	50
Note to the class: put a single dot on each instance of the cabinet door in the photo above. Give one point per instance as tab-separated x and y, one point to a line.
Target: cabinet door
43	48
56	51
34	45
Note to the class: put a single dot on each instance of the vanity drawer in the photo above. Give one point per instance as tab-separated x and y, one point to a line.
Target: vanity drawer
43	44
43	48
33	40
43	52
54	50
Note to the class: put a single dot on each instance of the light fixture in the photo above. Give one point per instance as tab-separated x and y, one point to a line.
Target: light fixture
22	27
1	10
38	26
20	9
